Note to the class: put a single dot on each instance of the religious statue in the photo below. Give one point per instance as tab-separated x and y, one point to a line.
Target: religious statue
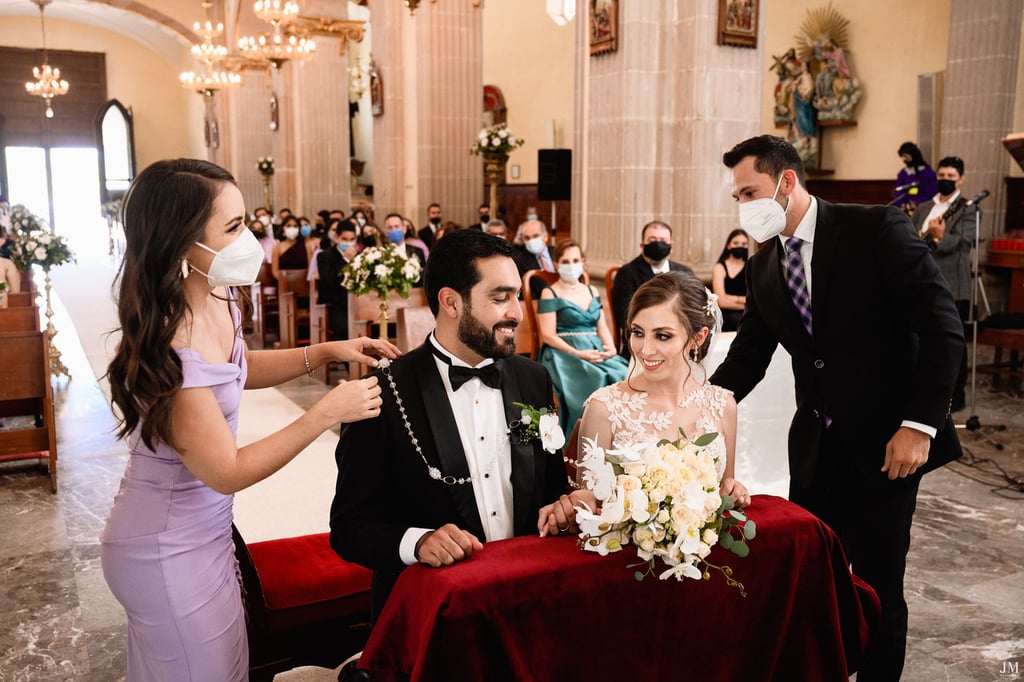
794	105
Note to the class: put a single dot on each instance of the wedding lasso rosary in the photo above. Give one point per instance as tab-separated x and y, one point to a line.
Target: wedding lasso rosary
385	366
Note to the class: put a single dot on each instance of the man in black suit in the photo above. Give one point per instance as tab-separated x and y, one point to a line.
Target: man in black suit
534	252
854	296
394	232
655	247
339	249
430	479
426	233
484	213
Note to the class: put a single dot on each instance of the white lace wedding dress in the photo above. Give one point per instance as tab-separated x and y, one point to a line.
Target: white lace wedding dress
632	422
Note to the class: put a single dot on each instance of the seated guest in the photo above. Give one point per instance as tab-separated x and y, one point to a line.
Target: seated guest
428	231
394	232
443	476
290	253
728	281
497	227
578	351
260	229
484	213
655	247
533	254
330	261
411	237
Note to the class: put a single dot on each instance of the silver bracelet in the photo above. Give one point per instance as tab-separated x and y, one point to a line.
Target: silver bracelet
305	356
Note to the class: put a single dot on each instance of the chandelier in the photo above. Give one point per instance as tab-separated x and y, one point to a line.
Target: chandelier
213	55
48	83
276	12
413	4
276	48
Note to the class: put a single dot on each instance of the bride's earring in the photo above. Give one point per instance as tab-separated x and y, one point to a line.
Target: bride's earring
695	354
184	268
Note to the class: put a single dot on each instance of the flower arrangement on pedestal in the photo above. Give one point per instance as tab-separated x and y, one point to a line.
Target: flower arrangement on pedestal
381	270
664	498
265	165
496	140
34	244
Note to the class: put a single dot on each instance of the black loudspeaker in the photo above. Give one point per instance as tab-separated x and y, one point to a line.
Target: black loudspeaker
554	174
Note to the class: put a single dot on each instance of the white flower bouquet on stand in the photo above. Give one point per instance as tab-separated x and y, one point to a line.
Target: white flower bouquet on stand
381	270
662	497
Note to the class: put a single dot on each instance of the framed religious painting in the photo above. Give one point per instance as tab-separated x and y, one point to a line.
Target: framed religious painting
737	22
604	26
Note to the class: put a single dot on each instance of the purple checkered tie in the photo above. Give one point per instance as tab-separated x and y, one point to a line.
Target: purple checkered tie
797	282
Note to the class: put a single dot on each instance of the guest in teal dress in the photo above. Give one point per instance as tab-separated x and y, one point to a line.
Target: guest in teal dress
578	349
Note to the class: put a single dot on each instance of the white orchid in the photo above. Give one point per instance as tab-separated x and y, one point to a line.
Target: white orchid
551	435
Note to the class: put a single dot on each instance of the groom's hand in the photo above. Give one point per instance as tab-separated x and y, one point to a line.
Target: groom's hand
446	545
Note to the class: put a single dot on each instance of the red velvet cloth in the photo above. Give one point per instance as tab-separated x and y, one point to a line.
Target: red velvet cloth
305	570
541	609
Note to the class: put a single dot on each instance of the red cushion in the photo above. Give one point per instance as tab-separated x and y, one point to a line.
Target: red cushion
305	570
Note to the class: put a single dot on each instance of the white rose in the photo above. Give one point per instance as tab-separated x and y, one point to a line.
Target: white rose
495	142
503	134
45	239
40	253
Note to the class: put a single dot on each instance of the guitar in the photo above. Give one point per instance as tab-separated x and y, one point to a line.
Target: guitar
951	214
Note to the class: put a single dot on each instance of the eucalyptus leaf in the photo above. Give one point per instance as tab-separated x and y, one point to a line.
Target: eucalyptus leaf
749	530
639	575
740	549
726	540
706	439
737	514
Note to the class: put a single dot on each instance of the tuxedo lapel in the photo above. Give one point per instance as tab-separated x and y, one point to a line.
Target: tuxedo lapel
523	474
451	457
826	239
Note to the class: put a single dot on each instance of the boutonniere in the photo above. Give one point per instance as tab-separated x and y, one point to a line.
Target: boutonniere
534	423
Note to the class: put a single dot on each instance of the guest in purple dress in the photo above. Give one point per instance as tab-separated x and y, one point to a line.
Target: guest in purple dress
176	381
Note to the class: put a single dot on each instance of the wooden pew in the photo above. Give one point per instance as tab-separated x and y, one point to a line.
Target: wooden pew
264	305
25	390
21	318
293	313
364	311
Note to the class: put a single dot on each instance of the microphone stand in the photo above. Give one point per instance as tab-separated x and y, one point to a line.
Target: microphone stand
973	422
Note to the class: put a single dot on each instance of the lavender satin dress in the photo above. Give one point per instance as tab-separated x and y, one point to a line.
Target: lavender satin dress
168	556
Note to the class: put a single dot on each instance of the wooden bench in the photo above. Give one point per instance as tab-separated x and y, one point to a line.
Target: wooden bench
21	318
264	305
293	304
364	313
1002	339
25	390
17	299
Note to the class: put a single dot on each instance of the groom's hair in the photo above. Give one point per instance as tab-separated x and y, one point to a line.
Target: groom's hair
453	262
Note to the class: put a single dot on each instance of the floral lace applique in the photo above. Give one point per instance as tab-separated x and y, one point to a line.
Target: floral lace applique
632	423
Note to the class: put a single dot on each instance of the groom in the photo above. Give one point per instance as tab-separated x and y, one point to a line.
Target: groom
856	299
434	476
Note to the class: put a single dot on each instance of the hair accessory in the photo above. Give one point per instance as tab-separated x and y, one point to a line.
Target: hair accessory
184	268
709	307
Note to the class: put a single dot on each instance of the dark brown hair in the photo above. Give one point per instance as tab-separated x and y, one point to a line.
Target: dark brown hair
688	294
772	155
165	212
563	246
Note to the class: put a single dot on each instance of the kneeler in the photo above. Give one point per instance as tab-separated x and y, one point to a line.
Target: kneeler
304	604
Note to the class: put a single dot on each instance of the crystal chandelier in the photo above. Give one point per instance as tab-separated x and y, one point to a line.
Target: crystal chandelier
48	83
213	55
276	12
276	48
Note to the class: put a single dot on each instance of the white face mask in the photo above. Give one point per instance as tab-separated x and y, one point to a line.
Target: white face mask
237	264
570	272
535	245
265	220
291	232
764	218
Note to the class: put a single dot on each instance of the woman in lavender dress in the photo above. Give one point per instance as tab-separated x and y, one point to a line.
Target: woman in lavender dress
176	380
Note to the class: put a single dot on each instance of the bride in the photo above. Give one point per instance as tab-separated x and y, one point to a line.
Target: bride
669	326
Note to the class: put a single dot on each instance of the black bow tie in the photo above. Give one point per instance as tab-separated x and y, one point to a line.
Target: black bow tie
459	375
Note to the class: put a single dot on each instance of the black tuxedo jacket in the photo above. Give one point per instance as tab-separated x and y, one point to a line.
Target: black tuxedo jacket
426	235
628	279
384	489
329	263
887	338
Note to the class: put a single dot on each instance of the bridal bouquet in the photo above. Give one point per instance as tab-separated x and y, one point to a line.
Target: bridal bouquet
663	497
34	244
381	269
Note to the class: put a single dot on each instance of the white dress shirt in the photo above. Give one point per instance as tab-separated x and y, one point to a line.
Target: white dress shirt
939	208
805	231
480	413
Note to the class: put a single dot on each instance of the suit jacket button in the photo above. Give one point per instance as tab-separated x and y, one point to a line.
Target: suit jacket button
818	364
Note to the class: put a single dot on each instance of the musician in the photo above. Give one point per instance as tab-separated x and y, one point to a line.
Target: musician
949	227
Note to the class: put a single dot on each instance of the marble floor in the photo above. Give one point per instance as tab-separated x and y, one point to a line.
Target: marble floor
58	621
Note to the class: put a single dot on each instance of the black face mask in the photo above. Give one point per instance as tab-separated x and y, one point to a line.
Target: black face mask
485	218
436	221
738	252
369	240
947	187
657	251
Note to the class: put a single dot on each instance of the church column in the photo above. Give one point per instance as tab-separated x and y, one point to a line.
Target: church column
653	119
978	97
430	65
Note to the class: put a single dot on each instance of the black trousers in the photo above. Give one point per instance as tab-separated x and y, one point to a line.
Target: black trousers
872	517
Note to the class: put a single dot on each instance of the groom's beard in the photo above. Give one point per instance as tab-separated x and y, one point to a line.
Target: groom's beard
482	340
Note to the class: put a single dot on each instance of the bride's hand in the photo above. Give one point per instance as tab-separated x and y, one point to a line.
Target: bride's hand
363	350
737	491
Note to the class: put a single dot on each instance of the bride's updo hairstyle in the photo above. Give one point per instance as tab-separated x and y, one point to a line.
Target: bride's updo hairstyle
690	297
